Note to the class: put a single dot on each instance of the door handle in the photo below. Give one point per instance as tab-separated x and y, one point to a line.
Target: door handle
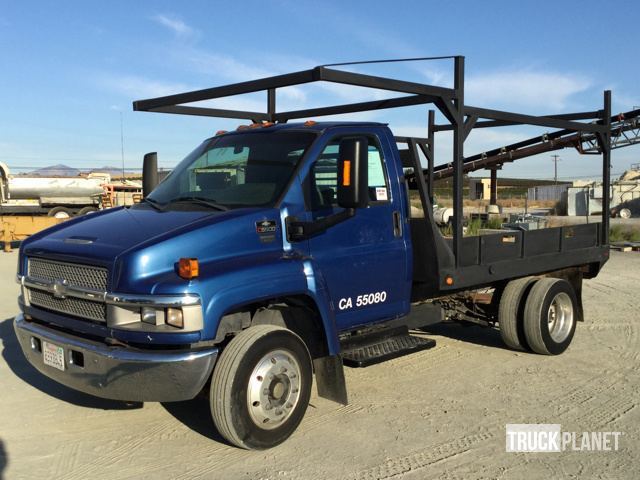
397	224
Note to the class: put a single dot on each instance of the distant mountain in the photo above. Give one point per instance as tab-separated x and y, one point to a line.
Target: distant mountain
66	171
113	171
56	171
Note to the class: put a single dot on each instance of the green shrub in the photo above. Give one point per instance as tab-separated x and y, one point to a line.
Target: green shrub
621	233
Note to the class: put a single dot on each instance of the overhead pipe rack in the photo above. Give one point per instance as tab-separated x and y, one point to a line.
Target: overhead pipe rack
462	119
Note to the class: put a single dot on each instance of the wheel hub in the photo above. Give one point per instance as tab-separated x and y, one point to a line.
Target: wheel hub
274	389
560	317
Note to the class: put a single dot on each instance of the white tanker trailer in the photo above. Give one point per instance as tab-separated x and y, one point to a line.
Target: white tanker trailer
59	197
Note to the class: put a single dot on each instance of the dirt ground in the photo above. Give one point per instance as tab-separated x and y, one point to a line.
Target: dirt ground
440	413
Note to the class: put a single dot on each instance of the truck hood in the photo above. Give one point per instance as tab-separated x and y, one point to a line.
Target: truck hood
103	236
134	241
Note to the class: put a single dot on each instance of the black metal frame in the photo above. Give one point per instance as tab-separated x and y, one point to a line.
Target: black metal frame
449	101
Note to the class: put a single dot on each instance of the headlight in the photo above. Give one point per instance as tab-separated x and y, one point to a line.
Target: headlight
187	318
174	317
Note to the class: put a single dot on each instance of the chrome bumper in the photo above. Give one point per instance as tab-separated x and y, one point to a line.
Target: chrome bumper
115	372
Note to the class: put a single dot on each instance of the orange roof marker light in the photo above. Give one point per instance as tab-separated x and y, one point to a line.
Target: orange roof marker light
221	132
255	125
310	123
188	268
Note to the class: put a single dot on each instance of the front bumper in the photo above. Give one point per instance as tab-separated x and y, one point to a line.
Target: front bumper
118	373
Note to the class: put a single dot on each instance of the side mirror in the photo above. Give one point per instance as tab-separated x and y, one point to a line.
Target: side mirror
353	173
149	173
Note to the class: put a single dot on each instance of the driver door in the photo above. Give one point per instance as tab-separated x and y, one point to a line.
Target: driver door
363	259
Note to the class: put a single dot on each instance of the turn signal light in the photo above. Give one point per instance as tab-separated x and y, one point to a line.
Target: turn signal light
346	173
188	268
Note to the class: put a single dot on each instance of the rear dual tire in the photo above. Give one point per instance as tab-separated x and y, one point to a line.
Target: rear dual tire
550	316
511	311
538	314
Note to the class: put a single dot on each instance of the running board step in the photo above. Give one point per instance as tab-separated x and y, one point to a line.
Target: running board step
381	349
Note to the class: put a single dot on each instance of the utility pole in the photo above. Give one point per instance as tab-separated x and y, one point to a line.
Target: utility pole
122	144
555	159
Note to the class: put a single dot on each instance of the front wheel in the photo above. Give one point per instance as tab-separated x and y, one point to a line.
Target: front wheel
260	387
60	212
550	316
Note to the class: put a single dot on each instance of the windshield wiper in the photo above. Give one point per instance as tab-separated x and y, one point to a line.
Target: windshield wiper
200	201
154	203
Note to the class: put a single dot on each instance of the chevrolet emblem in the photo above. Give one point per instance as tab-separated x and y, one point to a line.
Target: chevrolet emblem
59	289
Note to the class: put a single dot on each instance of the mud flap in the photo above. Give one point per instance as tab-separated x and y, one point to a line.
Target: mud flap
330	378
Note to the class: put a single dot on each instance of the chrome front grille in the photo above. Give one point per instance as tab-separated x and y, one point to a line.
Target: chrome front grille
77	307
54	277
84	276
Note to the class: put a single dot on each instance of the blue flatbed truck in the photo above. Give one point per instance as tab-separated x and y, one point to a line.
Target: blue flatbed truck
282	250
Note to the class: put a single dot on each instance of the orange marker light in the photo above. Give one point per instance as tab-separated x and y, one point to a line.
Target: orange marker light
309	123
220	132
188	268
346	173
448	280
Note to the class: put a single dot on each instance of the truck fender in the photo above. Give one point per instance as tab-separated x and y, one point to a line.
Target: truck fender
290	283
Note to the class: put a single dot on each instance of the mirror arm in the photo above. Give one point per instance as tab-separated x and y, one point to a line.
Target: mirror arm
297	231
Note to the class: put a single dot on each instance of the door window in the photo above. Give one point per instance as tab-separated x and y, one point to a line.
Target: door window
324	176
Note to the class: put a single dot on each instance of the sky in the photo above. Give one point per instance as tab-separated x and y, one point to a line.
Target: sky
69	71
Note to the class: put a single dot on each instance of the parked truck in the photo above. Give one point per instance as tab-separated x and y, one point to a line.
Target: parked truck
60	197
281	250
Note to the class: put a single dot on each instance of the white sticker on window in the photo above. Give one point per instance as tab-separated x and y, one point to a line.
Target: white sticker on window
381	193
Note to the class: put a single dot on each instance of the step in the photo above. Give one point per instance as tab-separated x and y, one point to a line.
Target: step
382	349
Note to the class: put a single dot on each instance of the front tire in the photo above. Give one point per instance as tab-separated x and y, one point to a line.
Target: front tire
550	316
60	212
260	387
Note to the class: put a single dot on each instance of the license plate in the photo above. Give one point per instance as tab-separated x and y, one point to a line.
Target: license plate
53	355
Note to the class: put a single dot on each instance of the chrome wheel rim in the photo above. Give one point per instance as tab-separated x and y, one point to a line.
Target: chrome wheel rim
61	215
274	389
560	317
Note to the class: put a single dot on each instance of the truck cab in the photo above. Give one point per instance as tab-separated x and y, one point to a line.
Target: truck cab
139	300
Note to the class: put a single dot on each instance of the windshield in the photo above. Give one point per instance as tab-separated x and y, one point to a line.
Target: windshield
247	169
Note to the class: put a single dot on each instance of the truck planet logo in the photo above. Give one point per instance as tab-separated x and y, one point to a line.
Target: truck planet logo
549	437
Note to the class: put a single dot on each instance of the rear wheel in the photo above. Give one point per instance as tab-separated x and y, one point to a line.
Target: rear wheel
86	210
550	316
511	311
260	387
60	212
625	213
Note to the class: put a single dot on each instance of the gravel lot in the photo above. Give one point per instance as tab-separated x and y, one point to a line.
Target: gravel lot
436	414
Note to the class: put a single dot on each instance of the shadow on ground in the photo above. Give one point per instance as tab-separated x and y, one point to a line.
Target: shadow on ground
485	336
4	459
196	415
15	359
